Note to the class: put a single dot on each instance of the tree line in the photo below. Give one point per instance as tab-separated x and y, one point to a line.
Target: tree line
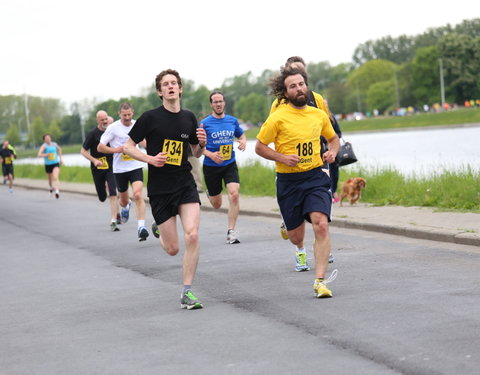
384	74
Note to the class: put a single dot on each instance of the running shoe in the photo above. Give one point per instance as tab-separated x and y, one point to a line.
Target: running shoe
155	230
125	213
51	191
114	228
10	190
189	301
320	289
283	231
232	237
57	194
301	262
142	233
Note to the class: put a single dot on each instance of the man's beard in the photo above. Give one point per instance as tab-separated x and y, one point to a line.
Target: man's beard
299	101
219	113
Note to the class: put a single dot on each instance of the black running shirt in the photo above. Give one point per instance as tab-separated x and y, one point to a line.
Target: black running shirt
91	142
172	133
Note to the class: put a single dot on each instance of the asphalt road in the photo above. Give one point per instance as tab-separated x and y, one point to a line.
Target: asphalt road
78	299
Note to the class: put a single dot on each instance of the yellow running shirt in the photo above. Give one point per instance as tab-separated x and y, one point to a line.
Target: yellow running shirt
297	131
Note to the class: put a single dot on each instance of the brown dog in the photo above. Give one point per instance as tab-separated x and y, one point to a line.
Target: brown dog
352	189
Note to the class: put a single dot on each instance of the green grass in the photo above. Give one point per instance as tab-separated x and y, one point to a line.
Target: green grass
31	153
257	180
459	191
454	117
71	174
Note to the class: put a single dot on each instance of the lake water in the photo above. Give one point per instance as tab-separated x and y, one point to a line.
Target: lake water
416	152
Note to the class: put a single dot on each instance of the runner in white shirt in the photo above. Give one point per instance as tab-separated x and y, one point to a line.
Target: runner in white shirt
125	168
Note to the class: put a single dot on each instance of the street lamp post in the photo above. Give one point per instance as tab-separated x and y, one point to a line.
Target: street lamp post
395	81
442	87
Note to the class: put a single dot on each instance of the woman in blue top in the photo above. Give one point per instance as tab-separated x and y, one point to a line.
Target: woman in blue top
53	158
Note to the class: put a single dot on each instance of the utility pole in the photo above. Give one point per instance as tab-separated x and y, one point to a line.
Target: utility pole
442	87
27	117
397	95
359	102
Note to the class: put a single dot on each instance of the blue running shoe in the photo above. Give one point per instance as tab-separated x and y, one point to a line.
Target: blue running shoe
125	213
142	233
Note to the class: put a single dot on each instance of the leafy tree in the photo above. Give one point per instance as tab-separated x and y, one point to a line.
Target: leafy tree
469	27
337	95
368	74
54	130
71	130
398	50
48	109
197	101
37	130
461	60
381	96
13	135
11	111
426	89
253	108
405	84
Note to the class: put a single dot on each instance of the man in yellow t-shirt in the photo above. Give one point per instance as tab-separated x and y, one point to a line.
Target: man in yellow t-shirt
298	63
303	188
314	100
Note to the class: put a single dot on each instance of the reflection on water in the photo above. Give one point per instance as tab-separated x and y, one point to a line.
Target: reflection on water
419	152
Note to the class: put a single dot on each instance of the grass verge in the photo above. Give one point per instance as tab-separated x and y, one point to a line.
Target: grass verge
457	191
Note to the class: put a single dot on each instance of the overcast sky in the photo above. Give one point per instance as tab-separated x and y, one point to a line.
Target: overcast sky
107	49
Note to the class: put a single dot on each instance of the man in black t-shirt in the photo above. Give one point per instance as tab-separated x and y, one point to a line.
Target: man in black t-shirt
101	166
169	131
7	154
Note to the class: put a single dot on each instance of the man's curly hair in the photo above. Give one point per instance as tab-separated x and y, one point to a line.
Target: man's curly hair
277	84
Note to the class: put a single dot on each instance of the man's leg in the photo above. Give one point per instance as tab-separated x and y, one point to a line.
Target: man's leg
123	198
190	217
216	201
234	207
322	244
137	187
169	236
10	182
114	207
296	237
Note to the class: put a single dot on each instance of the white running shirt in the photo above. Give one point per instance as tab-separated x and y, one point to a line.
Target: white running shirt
117	134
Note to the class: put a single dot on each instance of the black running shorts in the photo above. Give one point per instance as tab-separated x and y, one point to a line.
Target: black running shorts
124	178
298	194
215	175
50	167
165	206
103	180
